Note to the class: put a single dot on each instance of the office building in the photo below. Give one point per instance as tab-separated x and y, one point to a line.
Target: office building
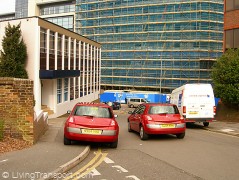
64	66
146	44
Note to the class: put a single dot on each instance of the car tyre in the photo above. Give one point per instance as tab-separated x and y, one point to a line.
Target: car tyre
181	135
114	144
131	106
205	124
67	141
142	134
129	128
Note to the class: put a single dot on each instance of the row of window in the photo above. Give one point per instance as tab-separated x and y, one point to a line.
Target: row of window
232	38
65	21
66	50
72	88
57	9
232	5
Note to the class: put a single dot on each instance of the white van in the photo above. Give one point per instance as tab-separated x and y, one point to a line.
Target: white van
134	102
195	102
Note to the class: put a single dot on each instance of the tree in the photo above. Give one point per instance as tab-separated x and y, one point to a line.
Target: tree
225	75
13	54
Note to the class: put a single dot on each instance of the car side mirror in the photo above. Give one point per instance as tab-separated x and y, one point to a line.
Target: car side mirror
68	112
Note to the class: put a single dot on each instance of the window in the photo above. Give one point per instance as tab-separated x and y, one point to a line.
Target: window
59	90
65	21
229	5
236	5
232	38
72	89
236	38
66	89
43	36
229	39
232	5
52	42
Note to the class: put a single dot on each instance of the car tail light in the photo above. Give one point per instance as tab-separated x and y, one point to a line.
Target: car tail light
112	123
214	109
184	109
149	118
71	120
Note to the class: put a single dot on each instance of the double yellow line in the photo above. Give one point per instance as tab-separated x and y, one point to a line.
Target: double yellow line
95	162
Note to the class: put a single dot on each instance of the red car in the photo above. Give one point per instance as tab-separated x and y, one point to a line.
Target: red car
156	118
93	122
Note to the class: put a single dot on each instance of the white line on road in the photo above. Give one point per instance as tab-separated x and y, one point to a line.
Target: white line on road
108	160
120	169
94	172
227	130
132	177
4	160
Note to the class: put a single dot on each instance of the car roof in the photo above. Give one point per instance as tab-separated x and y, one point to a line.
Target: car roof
92	104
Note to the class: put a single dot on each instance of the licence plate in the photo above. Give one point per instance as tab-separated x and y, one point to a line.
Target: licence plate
167	125
91	131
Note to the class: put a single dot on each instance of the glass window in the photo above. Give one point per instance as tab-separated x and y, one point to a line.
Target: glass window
66	89
72	89
163	110
229	39
236	4
236	38
52	42
59	90
94	111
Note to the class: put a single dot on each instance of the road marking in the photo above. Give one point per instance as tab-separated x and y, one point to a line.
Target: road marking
94	172
132	177
227	130
86	167
4	160
108	160
120	169
93	167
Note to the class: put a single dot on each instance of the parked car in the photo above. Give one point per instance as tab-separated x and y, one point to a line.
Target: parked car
134	102
93	122
156	118
116	105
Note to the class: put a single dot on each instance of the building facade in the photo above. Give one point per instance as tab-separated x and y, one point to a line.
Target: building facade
146	44
64	66
231	24
149	44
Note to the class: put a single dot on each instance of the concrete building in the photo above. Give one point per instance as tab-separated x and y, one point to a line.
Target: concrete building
231	24
64	66
146	44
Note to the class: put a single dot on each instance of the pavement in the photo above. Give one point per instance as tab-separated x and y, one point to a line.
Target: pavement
47	158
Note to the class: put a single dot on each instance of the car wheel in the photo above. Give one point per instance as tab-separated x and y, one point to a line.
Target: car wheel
206	124
114	144
180	136
129	128
131	106
142	134
67	141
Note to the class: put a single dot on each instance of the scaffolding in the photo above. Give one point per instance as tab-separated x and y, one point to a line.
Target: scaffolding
152	44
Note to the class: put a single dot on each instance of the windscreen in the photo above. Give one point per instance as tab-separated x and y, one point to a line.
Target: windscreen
163	110
98	112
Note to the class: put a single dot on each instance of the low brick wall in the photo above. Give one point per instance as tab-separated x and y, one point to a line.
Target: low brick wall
17	108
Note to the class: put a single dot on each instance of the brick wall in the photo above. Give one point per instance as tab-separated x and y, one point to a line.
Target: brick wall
17	108
231	20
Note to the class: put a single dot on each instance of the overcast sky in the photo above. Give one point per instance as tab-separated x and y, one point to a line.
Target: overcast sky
7	6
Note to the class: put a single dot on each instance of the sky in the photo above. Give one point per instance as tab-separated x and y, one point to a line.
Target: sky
7	6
